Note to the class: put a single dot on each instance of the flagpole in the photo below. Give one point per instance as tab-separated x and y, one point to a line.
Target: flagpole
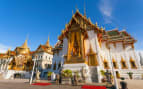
31	79
114	74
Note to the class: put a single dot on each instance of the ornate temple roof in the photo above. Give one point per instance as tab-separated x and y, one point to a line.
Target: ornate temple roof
117	36
45	48
84	23
8	54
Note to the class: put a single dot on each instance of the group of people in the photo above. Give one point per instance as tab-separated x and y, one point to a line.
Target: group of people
74	79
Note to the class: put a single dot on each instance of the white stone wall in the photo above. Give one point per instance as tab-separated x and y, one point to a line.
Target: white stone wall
116	51
43	59
59	56
4	62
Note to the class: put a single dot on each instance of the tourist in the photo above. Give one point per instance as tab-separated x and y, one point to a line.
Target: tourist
75	80
57	79
72	80
123	84
60	79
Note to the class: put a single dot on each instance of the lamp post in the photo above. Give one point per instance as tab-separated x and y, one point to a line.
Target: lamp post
31	79
114	74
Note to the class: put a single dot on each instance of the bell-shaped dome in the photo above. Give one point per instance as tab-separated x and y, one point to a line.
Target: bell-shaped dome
23	49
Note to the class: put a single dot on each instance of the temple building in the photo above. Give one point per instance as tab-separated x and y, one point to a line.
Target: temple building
43	56
85	46
17	61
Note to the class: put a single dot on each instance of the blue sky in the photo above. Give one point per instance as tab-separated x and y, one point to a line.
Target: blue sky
38	19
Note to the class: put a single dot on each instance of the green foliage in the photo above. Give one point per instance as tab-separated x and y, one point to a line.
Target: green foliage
102	72
77	74
67	73
49	74
130	73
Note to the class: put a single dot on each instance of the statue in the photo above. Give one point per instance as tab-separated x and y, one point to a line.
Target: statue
75	50
53	76
108	76
38	75
123	83
83	73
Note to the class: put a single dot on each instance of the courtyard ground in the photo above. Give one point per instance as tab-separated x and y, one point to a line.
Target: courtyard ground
134	84
24	84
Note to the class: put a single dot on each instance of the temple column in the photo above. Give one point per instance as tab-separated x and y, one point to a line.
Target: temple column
98	58
137	62
81	45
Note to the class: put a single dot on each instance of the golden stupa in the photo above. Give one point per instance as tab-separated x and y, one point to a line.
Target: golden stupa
22	58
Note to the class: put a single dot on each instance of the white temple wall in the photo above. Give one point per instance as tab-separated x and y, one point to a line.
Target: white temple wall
65	46
43	59
58	58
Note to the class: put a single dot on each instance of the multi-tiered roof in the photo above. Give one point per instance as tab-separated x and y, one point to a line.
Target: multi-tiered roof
86	25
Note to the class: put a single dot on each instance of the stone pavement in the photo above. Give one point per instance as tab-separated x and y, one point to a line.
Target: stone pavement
24	84
133	84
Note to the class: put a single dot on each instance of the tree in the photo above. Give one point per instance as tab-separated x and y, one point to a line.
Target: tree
130	74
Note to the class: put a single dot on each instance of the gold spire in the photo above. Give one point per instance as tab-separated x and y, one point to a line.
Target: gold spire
77	10
101	28
24	45
72	12
47	43
96	24
9	49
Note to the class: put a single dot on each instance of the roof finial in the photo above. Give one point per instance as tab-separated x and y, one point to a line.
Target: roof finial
72	12
76	8
47	43
9	49
84	9
25	44
27	36
101	28
96	24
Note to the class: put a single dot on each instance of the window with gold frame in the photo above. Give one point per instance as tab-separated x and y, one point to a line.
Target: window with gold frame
106	65
123	64
114	63
132	63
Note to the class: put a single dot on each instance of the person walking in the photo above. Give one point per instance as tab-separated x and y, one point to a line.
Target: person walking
60	79
57	79
75	80
123	84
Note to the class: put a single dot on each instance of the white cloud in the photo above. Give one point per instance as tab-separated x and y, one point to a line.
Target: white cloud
3	48
106	9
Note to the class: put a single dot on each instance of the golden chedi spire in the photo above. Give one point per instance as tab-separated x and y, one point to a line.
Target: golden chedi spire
96	24
8	49
47	43
24	44
102	29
